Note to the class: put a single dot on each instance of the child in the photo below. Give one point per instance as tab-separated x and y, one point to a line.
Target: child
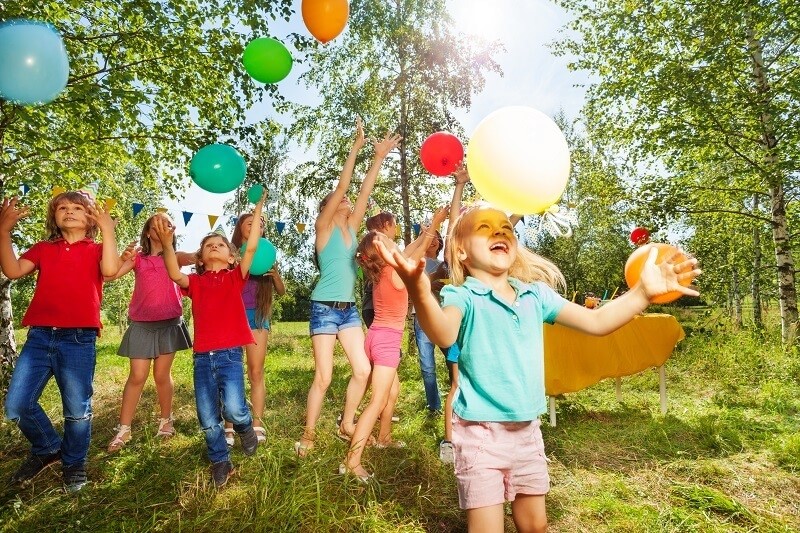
386	224
383	341
495	315
156	330
64	321
220	331
257	296
333	311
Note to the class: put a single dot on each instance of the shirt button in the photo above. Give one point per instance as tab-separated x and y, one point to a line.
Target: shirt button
67	248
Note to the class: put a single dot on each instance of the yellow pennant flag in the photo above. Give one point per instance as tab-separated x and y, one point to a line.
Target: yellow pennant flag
301	227
161	210
212	219
110	203
57	190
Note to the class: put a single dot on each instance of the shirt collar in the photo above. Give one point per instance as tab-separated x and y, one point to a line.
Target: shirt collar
478	287
61	239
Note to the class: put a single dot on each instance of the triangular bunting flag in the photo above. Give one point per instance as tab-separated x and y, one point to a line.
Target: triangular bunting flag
187	216
212	219
25	189
110	203
301	227
417	228
161	210
280	226
57	190
137	208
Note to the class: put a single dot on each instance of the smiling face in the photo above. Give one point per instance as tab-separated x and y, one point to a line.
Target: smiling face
486	243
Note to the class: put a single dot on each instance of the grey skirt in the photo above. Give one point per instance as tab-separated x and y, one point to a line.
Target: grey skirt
148	340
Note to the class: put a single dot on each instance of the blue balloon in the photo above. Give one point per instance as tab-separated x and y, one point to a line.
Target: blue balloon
218	168
264	257
34	67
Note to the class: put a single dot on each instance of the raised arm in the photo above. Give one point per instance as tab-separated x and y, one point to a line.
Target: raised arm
382	149
127	258
325	218
654	280
440	325
165	231
255	234
462	177
110	262
10	213
417	248
277	280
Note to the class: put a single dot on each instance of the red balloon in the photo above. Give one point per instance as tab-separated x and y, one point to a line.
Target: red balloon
441	153
640	236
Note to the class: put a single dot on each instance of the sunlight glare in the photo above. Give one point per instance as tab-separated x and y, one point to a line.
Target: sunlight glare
477	17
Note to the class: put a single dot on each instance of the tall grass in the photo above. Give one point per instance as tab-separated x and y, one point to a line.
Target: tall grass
724	458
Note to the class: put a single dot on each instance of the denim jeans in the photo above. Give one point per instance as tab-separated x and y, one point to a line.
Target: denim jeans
68	354
427	365
219	393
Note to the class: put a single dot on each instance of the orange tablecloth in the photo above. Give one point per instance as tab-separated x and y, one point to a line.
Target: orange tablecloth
574	360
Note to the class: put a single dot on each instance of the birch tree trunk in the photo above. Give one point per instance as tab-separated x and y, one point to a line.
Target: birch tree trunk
8	345
755	285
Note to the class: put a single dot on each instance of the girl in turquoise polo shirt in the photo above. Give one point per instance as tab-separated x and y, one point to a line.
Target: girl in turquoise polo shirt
494	310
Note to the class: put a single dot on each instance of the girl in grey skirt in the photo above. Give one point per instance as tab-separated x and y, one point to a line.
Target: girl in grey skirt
155	332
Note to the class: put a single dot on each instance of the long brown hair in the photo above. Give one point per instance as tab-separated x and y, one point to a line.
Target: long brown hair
367	256
75	197
264	292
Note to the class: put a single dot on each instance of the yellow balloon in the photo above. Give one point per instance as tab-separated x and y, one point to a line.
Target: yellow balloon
518	159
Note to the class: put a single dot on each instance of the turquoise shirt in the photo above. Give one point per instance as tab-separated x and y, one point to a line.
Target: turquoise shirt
501	366
337	268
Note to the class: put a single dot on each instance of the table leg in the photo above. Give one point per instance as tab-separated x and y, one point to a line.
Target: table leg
552	401
662	388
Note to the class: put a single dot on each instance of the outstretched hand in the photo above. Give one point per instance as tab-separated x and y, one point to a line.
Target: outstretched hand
461	174
386	145
657	279
360	140
165	230
411	272
130	251
11	213
101	216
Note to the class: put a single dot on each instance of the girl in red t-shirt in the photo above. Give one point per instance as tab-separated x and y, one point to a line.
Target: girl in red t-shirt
155	332
382	344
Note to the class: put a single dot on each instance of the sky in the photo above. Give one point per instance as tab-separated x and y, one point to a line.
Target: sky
532	76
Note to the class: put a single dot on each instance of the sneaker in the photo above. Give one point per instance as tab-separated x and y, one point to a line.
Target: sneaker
249	441
221	472
446	452
33	466
74	477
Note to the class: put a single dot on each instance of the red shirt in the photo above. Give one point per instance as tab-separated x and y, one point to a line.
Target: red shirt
220	321
69	284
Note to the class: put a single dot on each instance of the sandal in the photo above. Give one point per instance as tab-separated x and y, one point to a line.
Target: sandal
261	433
363	478
342	435
165	427
300	449
120	439
229	433
390	444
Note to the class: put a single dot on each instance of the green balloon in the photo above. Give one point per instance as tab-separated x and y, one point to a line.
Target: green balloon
264	257
218	168
267	60
254	193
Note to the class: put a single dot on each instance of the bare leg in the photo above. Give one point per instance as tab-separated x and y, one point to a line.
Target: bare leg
385	431
529	513
322	346
486	519
352	340
165	387
140	369
448	403
383	378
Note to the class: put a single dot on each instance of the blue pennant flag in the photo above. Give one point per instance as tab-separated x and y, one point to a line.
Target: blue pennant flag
280	227
187	216
417	228
137	208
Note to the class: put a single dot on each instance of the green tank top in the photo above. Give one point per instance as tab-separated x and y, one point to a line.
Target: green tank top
337	268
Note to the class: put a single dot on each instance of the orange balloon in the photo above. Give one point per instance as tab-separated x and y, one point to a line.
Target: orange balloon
635	264
325	19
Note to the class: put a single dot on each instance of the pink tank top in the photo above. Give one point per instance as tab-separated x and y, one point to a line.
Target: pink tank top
155	295
391	305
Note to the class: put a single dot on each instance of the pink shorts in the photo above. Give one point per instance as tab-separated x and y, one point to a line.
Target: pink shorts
495	461
383	346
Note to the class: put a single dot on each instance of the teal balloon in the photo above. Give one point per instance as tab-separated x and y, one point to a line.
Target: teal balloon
264	257
34	67
267	60
218	168
254	193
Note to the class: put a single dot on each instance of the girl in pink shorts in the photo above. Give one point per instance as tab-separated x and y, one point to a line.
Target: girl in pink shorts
501	294
382	344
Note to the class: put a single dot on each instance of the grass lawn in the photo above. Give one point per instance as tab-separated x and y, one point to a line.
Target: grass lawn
724	458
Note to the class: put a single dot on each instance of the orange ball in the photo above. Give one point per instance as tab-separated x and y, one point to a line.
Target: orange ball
325	19
635	264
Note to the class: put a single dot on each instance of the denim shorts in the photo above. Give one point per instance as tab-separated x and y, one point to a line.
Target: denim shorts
251	319
327	320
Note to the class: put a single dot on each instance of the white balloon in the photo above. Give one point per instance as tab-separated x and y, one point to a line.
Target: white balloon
518	159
